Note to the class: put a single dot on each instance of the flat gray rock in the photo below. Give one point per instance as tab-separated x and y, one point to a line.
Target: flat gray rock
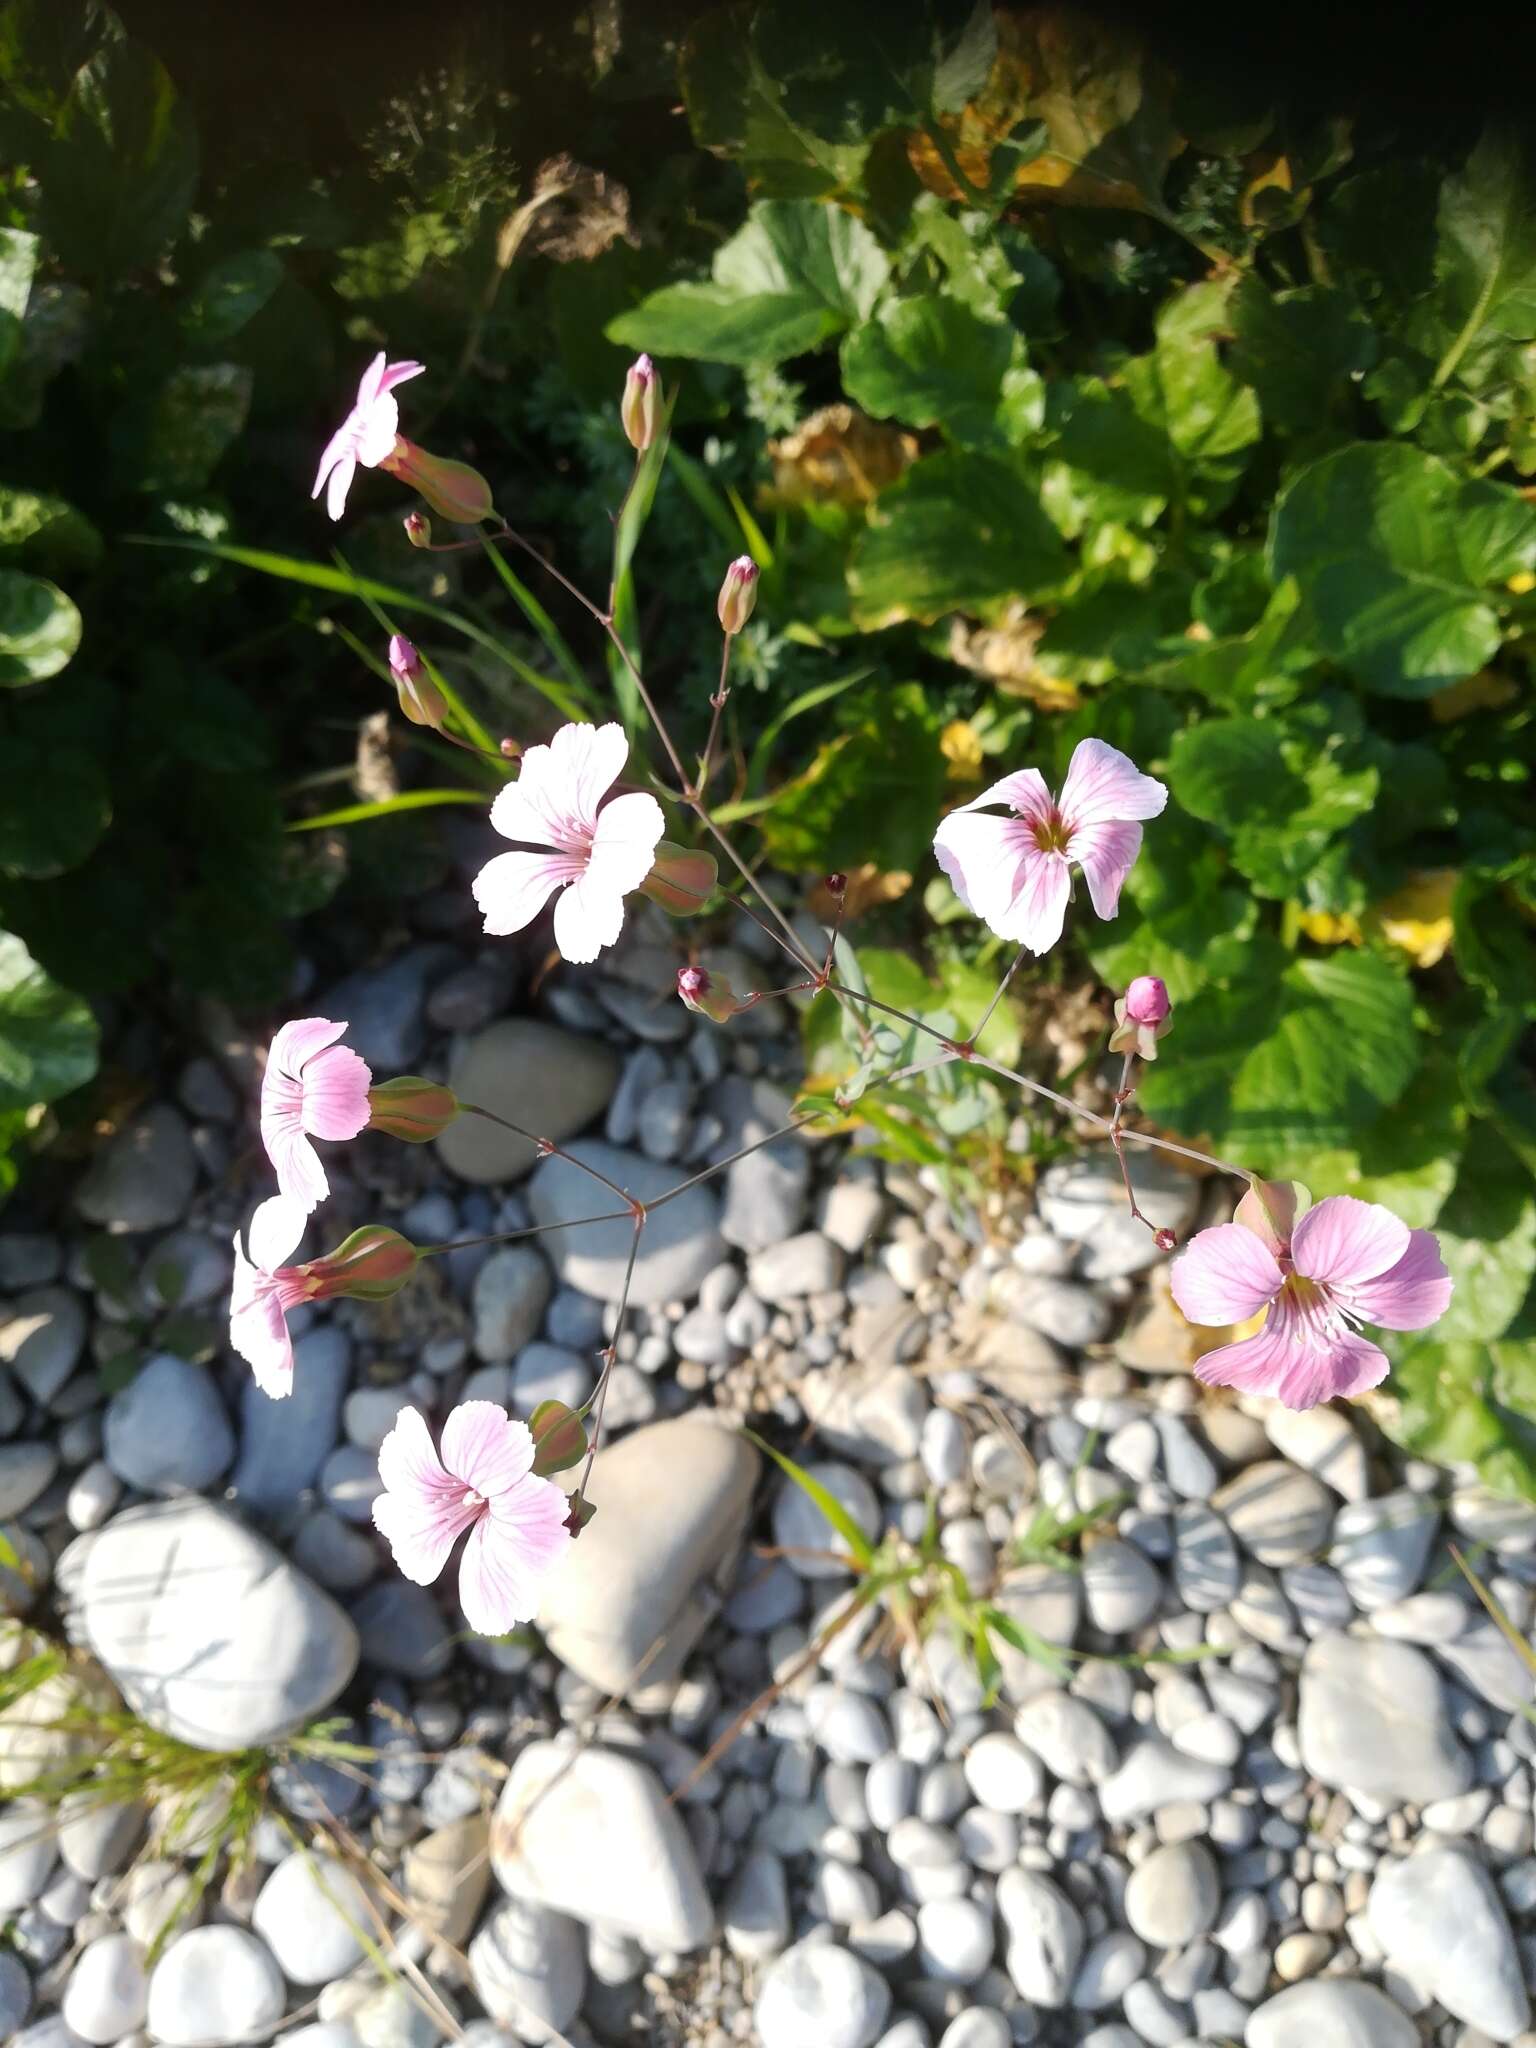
1278	1514
529	1968
651	1566
1045	1936
1331	2012
1173	1895
1083	1202
1440	1919
42	1335
168	1430
589	1833
142	1178
283	1444
210	1633
1373	1718
1381	1546
680	1244
552	1082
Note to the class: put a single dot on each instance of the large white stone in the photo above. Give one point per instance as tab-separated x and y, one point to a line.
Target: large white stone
1440	1919
214	1988
211	1634
589	1833
652	1565
107	1989
529	1968
1331	2012
681	1240
313	1915
1372	1718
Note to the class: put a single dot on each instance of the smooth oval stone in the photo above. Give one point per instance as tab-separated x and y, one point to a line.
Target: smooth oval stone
1439	1917
552	1082
306	1913
214	1987
1340	2012
1373	1718
680	1244
817	1992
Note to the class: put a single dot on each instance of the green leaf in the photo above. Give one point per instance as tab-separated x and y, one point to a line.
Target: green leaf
737	109
933	362
175	441
870	794
1406	1160
844	78
1398	558
48	1037
39	629
860	1549
959	530
45	534
229	295
1485	254
1487	1233
1299	350
1460	1401
1181	917
795	274
1494	945
560	1441
1292	1058
1185	387
54	806
18	264
1278	787
120	172
1238	671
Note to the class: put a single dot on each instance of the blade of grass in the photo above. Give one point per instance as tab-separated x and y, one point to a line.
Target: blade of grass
408	800
859	1545
1501	1621
695	480
541	622
820	693
758	545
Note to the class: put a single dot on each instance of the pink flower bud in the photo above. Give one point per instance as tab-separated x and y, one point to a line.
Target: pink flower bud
418	529
836	885
410	1108
420	698
640	407
452	489
372	1263
710	997
681	880
1146	1000
738	594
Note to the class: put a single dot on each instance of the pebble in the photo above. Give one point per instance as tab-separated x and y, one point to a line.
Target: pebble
511	1292
1003	1774
1122	1588
798	1266
214	1986
96	1835
1173	1895
107	1992
143	1176
1112	1964
1321	1441
1068	1737
167	1431
1206	1570
159	1577
1154	1774
680	1244
815	1548
646	1883
529	1968
550	1081
1278	1514
1381	1546
1046	1936
307	1912
754	1915
818	1992
848	1725
15	1995
28	1853
1373	1718
654	1563
1329	2010
1070	1315
1082	1201
1439	1919
983	2026
955	1939
41	1339
25	1472
875	1414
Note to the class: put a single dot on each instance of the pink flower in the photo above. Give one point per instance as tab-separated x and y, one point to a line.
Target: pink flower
312	1088
368	433
1142	1015
593	857
1345	1262
1146	1000
482	1482
1014	873
264	1290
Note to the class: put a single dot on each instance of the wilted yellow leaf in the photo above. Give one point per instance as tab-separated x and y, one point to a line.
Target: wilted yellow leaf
837	456
1418	917
1004	653
962	750
1271	173
1485	691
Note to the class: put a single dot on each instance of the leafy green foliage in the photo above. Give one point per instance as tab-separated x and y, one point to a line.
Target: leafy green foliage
47	1035
960	531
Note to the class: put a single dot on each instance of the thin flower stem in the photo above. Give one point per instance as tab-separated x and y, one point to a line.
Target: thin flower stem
600	1398
547	1148
1117	1135
997	996
700	787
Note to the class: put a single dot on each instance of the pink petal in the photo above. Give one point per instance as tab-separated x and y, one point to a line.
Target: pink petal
371	383
299	1040
300	1176
1344	1240
399	373
422	1531
377	431
1281	1363
1225	1275
588	916
1042	891
513	888
341	483
409	1464
336	1084
1024	792
338	446
1106	854
485	1448
258	1328
511	1553
1273	1219
980	856
274	1232
1346	1367
1408	1296
586	761
1256	1365
1104	786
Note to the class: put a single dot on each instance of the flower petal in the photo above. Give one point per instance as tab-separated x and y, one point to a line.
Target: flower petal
258	1327
1104	786
1347	1366
624	843
274	1232
371	383
408	1460
421	1531
1042	891
510	1554
1408	1296
1106	854
300	1176
1225	1275
341	482
338	447
513	888
1257	1364
588	916
377	431
980	854
336	1084
297	1041
399	373
587	760
1024	792
485	1448
1344	1240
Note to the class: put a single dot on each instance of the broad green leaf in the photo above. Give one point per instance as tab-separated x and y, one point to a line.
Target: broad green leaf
870	794
229	295
1495	945
1401	560
795	274
932	362
175	441
1407	1160
54	806
119	175
1485	254
1462	1401
959	530
1487	1232
1298	350
48	1037
1107	108
1114	464
1181	917
18	264
45	534
1184	389
1290	1059
736	108
846	77
39	630
1241	670
1279	788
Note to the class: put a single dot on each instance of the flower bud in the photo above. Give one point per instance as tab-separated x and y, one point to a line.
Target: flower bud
836	885
411	1108
681	880
1142	1015
1164	1239
418	529
738	594
420	698
452	489
706	994
640	407
1146	1000
372	1263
